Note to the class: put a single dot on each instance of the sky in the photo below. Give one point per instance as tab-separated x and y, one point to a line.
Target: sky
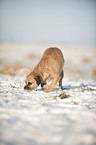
68	21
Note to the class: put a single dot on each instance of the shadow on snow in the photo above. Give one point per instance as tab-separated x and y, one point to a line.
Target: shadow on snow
72	87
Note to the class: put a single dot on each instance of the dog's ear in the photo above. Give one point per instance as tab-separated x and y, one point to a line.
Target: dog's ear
38	79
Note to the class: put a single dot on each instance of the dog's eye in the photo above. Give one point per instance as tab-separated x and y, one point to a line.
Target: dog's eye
29	83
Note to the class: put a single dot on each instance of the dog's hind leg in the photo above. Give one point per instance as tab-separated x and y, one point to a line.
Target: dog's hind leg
60	81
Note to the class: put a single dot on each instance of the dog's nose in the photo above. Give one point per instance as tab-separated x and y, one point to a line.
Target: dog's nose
26	88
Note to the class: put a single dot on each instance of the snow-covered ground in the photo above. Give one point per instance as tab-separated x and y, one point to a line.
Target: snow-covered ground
39	118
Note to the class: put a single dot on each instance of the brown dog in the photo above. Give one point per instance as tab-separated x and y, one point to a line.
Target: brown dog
49	67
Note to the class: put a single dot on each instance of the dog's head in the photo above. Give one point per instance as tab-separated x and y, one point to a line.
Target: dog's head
32	82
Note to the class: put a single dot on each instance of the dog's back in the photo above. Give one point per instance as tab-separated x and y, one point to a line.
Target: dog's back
54	59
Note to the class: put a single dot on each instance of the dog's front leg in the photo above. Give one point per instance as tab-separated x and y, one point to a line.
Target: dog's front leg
52	85
43	85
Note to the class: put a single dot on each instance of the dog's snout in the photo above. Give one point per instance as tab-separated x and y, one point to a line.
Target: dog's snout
26	88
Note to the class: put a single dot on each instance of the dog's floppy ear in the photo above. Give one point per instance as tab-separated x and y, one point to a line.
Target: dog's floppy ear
38	79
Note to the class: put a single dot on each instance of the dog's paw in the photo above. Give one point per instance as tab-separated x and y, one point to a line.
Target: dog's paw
45	87
48	90
61	88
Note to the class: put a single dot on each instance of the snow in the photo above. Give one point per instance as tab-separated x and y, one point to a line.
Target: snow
39	118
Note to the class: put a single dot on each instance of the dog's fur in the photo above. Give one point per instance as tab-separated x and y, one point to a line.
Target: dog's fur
49	67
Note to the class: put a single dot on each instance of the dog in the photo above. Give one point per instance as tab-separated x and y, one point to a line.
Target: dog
50	67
